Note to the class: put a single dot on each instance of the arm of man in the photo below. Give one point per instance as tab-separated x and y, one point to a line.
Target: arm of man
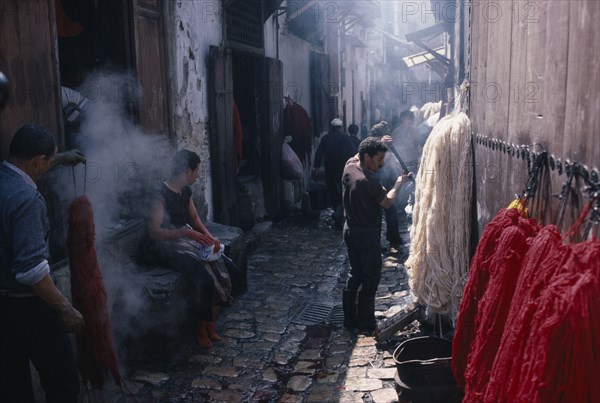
391	195
71	157
156	232
47	292
199	226
30	265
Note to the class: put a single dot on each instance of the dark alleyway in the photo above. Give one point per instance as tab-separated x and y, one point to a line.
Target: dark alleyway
283	340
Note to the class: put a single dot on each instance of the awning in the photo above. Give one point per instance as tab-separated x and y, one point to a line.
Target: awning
423	57
422	36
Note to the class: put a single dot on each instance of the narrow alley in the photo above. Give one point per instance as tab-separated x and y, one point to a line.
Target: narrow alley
283	340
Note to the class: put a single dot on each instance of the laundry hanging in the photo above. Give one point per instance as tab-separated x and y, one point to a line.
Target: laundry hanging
439	261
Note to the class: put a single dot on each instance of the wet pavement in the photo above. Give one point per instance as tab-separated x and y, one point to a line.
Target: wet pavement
283	340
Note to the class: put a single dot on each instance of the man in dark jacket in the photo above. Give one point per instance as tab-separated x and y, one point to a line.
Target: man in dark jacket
335	149
34	315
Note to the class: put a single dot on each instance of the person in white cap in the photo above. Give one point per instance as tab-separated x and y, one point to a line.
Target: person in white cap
335	149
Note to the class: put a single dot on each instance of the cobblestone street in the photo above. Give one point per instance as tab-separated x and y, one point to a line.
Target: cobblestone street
283	340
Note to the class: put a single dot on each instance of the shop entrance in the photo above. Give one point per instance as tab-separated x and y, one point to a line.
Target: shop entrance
252	84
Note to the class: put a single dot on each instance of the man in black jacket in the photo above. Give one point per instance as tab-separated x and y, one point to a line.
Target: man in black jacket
335	149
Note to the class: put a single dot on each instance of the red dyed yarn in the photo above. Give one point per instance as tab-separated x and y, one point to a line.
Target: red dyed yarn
495	303
479	273
562	355
95	351
546	256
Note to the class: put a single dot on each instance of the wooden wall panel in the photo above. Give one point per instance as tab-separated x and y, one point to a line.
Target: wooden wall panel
582	114
28	57
546	62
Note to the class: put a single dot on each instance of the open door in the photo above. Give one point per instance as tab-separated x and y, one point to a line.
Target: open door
222	148
270	73
28	58
151	65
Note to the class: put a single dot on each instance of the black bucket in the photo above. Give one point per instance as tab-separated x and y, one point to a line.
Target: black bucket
424	366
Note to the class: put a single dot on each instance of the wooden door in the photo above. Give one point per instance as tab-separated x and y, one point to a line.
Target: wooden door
320	90
28	58
222	148
151	65
270	90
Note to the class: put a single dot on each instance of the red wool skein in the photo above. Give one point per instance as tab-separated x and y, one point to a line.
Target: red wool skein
479	273
495	303
563	351
546	256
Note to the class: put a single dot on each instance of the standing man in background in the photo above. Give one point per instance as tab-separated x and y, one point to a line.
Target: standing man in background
35	317
335	148
363	198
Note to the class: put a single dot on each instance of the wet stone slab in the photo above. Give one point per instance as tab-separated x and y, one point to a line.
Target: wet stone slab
247	362
230	372
206	383
205	359
335	361
239	334
310	355
288	398
356	372
305	367
321	393
381	373
299	383
271	327
271	337
269	375
363	385
386	395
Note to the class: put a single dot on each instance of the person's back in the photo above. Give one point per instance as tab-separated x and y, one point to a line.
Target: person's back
337	148
407	139
354	139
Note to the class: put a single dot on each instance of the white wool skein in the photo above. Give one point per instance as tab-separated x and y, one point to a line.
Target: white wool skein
439	256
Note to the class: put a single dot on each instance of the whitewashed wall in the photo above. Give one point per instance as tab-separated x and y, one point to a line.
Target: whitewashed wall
294	53
191	28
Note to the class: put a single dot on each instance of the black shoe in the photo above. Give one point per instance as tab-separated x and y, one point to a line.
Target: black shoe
350	324
368	330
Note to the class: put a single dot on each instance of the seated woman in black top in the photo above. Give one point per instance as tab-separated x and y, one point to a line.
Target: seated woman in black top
179	238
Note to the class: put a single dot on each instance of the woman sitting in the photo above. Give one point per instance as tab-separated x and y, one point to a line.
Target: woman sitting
180	240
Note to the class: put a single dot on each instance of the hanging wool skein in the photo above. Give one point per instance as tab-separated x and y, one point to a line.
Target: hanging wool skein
546	256
439	258
563	353
95	349
479	275
494	306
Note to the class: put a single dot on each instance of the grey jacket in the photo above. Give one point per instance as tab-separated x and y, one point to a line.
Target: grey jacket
24	231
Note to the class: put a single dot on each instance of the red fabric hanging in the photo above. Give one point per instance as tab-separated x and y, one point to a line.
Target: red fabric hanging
495	303
297	123
478	280
95	351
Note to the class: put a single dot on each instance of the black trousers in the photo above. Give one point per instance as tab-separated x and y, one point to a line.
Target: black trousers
364	254
31	330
